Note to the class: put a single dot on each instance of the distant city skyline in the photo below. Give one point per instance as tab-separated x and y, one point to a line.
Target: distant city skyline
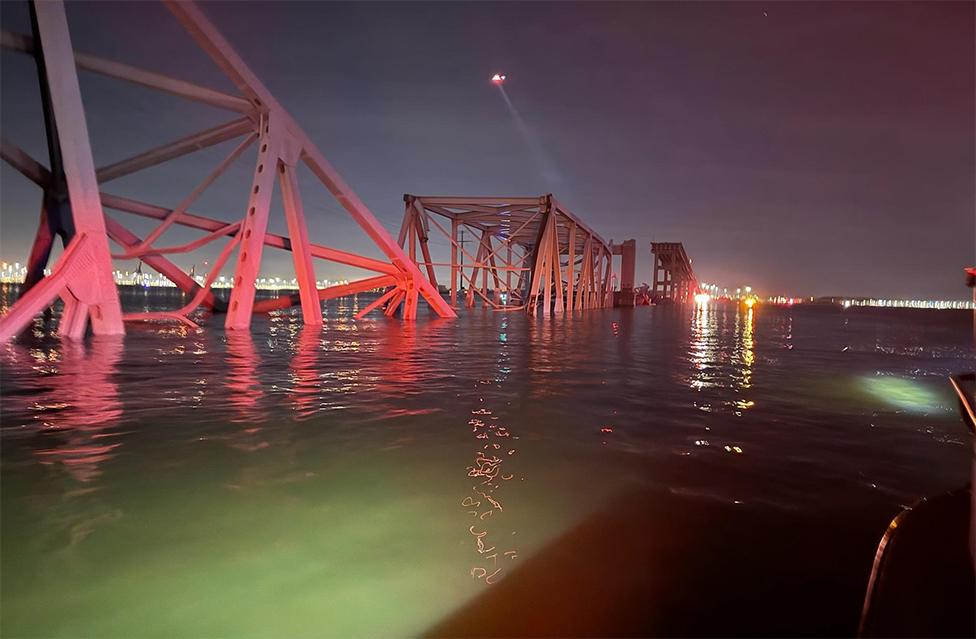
805	148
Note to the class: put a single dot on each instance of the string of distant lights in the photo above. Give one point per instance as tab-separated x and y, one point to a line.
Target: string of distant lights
745	295
938	304
14	273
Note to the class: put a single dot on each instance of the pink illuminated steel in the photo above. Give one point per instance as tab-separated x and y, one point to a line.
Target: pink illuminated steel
281	145
532	252
258	210
183	314
88	283
124	237
212	42
174	216
300	251
328	293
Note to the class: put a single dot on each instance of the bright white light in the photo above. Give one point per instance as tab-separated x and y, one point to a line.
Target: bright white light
702	298
498	78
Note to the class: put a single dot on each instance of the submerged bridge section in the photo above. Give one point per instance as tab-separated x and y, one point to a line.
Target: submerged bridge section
506	253
674	279
73	200
510	253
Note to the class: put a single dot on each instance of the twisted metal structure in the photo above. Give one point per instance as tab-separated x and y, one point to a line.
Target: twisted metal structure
533	254
73	202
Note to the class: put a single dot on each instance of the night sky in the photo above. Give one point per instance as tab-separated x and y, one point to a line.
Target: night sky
802	148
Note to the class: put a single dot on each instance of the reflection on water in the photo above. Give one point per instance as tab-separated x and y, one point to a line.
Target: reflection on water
723	357
495	444
305	372
746	356
244	386
483	504
704	345
81	407
369	478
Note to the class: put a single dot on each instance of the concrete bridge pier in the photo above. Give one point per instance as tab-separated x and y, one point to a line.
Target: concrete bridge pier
627	251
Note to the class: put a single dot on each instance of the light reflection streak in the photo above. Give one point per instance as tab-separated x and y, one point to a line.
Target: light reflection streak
176	346
242	381
504	359
305	384
744	355
406	356
718	362
406	362
546	356
80	406
703	346
484	504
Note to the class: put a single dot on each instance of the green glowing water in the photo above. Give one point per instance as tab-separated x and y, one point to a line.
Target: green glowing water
905	394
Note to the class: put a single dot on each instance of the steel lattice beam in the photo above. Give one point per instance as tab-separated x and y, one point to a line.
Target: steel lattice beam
532	252
281	144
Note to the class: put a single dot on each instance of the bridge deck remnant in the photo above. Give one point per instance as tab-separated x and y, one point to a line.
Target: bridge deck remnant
674	279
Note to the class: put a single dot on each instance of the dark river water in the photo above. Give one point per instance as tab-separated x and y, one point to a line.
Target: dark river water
664	470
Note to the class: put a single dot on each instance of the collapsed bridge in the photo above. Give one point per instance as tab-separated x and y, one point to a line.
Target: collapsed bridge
73	202
532	253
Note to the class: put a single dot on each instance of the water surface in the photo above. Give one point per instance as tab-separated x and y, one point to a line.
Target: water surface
380	478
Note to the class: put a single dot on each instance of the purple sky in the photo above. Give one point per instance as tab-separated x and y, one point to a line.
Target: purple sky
821	148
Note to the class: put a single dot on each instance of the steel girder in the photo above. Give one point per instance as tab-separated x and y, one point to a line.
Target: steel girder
73	200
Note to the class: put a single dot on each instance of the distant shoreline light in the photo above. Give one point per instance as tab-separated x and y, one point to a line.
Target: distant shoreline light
717	293
948	305
955	305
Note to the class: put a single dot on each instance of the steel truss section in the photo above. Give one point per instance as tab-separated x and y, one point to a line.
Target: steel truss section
73	204
531	253
674	279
